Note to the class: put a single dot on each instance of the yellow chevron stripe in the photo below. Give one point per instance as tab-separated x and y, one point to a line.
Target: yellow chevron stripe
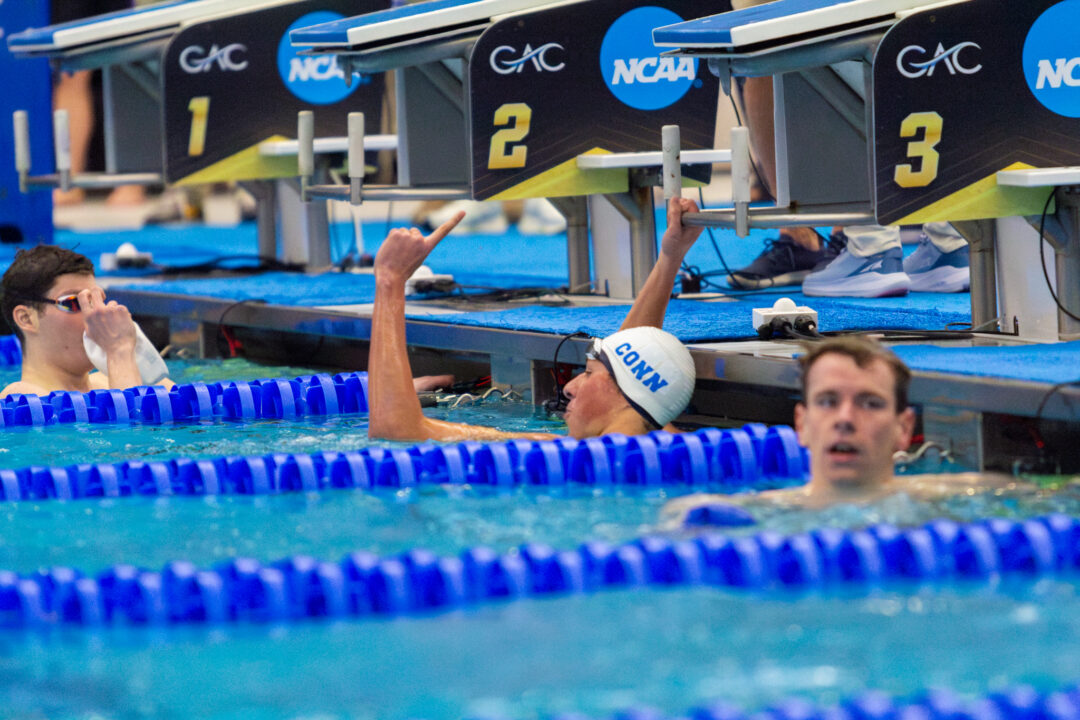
566	180
982	200
247	164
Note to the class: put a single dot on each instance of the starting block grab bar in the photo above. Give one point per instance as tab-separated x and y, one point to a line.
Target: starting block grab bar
63	177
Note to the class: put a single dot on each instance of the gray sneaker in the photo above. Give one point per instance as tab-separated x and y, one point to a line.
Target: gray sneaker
783	262
878	275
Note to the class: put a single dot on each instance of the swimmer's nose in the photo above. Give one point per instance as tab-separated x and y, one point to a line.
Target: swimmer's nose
569	388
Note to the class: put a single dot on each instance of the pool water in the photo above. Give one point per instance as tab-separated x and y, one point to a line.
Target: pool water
598	654
592	654
100	442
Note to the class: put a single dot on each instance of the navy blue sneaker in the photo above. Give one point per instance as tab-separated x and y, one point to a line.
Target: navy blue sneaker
783	262
878	275
931	270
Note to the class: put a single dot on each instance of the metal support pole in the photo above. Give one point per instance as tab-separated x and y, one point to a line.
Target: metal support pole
265	194
636	206
1063	233
671	145
62	145
576	212
305	156
356	157
740	179
982	236
20	125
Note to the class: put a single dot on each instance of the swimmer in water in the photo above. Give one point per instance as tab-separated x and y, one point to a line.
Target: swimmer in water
636	380
853	418
51	299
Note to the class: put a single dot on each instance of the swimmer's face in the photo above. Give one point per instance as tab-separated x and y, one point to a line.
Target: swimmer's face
58	333
850	423
594	398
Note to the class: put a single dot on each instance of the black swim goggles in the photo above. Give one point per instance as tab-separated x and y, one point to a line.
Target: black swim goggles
66	303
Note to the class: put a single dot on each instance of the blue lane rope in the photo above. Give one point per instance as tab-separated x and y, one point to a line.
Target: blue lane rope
419	581
707	457
1021	702
10	351
275	398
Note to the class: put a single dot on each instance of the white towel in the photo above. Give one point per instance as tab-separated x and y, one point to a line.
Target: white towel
152	368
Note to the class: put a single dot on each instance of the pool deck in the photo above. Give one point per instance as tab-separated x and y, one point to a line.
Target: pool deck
970	391
730	373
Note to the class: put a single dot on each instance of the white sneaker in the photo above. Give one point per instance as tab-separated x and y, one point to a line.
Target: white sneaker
540	217
481	218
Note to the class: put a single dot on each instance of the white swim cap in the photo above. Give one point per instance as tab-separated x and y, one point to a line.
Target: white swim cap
652	368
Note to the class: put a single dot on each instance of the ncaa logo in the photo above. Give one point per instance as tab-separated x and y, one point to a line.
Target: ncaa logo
316	79
1051	59
632	66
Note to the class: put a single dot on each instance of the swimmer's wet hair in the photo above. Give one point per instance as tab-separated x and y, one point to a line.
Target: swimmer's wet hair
32	273
863	350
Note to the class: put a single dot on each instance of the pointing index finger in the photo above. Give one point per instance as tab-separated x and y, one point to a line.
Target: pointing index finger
443	230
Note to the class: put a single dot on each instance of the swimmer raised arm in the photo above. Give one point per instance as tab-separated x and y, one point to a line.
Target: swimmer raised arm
637	380
394	408
651	303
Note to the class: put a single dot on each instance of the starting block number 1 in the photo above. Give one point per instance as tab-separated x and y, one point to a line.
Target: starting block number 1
200	114
519	117
922	150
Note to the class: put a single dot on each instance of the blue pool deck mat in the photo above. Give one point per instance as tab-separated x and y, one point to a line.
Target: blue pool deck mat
780	21
689	320
1048	363
392	25
132	25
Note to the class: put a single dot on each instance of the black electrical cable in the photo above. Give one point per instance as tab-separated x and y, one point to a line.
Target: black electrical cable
1049	394
223	333
264	264
1042	257
560	401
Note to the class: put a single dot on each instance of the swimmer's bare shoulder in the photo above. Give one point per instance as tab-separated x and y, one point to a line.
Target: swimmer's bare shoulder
23	388
937	485
921	487
674	511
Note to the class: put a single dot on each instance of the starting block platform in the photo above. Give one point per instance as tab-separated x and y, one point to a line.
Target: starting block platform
909	126
196	92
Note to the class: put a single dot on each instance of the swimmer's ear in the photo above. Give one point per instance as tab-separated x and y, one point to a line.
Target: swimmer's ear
25	318
800	414
905	428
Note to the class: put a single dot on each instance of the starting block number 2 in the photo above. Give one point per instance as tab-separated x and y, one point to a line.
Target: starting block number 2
923	151
519	117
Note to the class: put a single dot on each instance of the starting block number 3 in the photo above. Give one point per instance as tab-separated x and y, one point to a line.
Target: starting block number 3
519	117
923	151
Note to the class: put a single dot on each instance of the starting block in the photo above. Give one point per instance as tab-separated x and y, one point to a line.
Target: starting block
504	99
921	111
193	90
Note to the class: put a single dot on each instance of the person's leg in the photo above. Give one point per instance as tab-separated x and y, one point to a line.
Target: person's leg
941	263
73	93
871	265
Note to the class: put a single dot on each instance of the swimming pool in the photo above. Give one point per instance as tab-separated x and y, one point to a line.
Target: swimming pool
599	653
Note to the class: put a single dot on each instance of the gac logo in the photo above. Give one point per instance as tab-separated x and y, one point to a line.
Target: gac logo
505	60
194	59
912	62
